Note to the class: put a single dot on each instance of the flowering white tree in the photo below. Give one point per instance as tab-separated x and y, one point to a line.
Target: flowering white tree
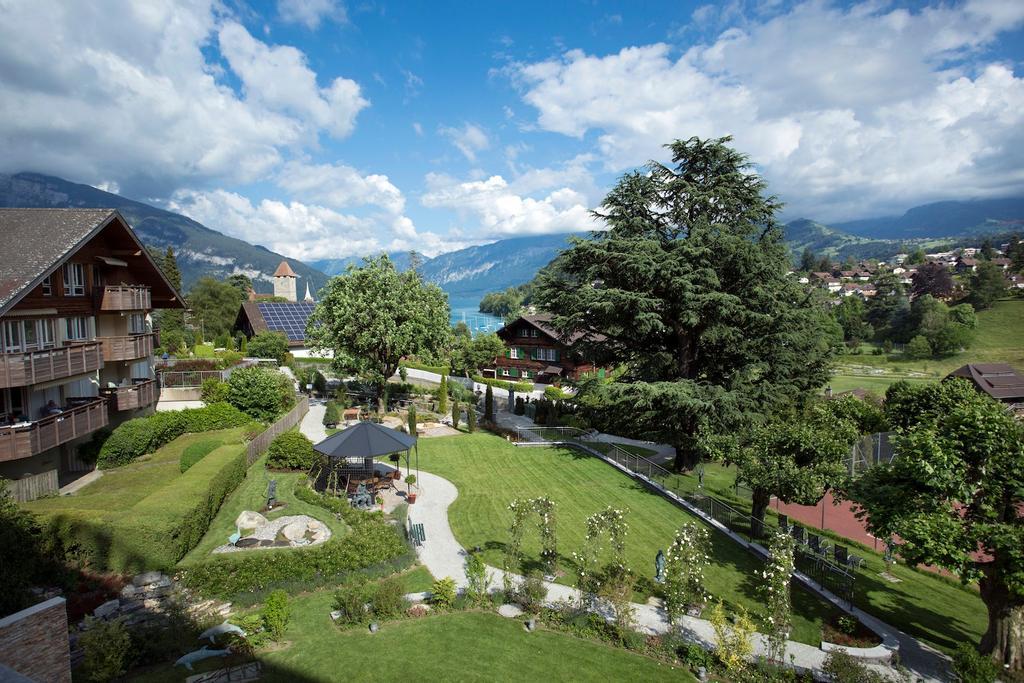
522	508
613	582
685	562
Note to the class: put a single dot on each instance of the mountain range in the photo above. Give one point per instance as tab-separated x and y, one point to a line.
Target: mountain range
199	250
474	271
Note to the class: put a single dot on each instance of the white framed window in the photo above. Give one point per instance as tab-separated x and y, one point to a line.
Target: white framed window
12	336
547	354
47	334
523	332
27	335
504	372
136	323
534	333
47	285
513	352
76	329
74	279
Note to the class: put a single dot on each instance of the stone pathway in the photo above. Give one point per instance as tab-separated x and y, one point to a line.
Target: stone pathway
312	424
444	557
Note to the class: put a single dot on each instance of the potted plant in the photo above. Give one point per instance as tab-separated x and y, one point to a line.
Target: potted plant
396	460
409	495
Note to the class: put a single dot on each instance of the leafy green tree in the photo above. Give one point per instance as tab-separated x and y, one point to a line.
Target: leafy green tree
987	284
1015	252
412	420
956	487
442	395
268	345
470	418
889	299
331	414
291	450
796	460
824	265
687	290
808	260
915	257
489	404
24	560
987	251
242	283
456	413
919	348
373	316
170	321
934	279
470	355
215	303
850	315
260	392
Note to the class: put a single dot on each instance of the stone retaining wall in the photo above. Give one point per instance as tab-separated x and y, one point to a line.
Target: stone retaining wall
34	642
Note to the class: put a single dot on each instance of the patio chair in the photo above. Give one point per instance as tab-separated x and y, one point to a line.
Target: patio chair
784	523
854	561
798	534
841	555
814	543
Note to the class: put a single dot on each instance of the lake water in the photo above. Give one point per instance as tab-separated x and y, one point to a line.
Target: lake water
465	309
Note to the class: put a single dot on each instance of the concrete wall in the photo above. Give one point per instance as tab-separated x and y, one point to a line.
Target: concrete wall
34	642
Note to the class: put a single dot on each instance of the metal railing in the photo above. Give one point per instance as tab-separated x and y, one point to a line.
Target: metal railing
829	575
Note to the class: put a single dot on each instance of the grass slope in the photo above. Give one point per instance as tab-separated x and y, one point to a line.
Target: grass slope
490	473
997	340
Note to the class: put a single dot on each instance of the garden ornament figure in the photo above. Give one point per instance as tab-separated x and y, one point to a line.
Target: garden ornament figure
187	660
272	494
659	567
700	476
511	399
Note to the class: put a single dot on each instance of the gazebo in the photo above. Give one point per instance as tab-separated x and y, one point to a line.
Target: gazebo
350	453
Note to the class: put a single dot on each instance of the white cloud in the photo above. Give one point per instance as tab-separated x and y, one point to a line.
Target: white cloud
123	93
339	186
310	12
501	212
469	139
846	111
279	78
418	128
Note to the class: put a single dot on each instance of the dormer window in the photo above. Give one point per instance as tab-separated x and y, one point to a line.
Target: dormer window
74	279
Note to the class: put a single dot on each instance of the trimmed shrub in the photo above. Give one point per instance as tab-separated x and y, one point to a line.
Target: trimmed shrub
388	599
106	646
350	601
197	451
442	593
471	419
260	392
489	404
331	415
214	391
291	451
142	435
456	414
269	345
970	666
276	612
521	387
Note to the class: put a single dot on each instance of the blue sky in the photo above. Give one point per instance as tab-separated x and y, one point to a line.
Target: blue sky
323	128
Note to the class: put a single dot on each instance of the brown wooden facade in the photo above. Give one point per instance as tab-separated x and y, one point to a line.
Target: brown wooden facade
76	344
534	353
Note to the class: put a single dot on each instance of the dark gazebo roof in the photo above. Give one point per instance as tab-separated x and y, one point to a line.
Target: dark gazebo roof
365	440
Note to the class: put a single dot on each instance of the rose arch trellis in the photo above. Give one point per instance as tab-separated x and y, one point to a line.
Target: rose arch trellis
609	522
522	509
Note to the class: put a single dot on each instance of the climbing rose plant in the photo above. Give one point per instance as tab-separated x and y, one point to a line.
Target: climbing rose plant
775	593
685	563
613	582
522	509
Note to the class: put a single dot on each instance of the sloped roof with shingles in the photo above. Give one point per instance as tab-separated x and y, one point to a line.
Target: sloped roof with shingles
542	321
284	270
37	240
998	380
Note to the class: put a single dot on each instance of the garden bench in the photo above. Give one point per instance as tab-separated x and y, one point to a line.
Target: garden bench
417	534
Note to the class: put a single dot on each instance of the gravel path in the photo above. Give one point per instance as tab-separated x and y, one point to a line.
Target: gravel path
445	557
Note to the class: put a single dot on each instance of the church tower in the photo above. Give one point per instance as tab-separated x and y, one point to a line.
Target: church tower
284	282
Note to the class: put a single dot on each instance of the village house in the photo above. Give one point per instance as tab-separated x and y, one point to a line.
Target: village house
999	380
535	353
77	290
289	317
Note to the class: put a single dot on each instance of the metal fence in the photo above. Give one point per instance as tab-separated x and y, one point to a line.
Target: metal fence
261	443
826	573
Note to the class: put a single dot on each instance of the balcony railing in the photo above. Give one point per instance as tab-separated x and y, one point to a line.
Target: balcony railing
126	298
31	367
140	394
29	438
131	347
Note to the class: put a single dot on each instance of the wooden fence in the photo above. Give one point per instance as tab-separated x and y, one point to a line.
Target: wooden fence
261	443
34	486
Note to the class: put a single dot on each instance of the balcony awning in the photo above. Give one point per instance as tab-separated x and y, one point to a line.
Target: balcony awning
111	261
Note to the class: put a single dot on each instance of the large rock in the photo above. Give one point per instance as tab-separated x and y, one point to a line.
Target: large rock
107	609
250	520
147	578
510	611
295	531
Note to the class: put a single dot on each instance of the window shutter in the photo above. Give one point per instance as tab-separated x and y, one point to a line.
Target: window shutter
558	355
533	354
508	353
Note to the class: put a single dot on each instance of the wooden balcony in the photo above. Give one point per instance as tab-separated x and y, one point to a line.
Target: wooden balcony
29	438
139	395
132	347
126	298
32	367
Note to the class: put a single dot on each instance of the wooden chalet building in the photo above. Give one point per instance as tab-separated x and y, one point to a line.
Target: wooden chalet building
534	353
76	292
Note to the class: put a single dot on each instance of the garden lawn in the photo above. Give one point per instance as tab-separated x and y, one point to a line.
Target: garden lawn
252	495
490	472
875	384
463	646
924	604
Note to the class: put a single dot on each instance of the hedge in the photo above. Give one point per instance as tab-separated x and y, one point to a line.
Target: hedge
436	369
372	544
521	387
291	450
160	529
142	435
197	451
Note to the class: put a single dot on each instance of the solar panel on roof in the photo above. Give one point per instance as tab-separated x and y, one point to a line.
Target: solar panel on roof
289	318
